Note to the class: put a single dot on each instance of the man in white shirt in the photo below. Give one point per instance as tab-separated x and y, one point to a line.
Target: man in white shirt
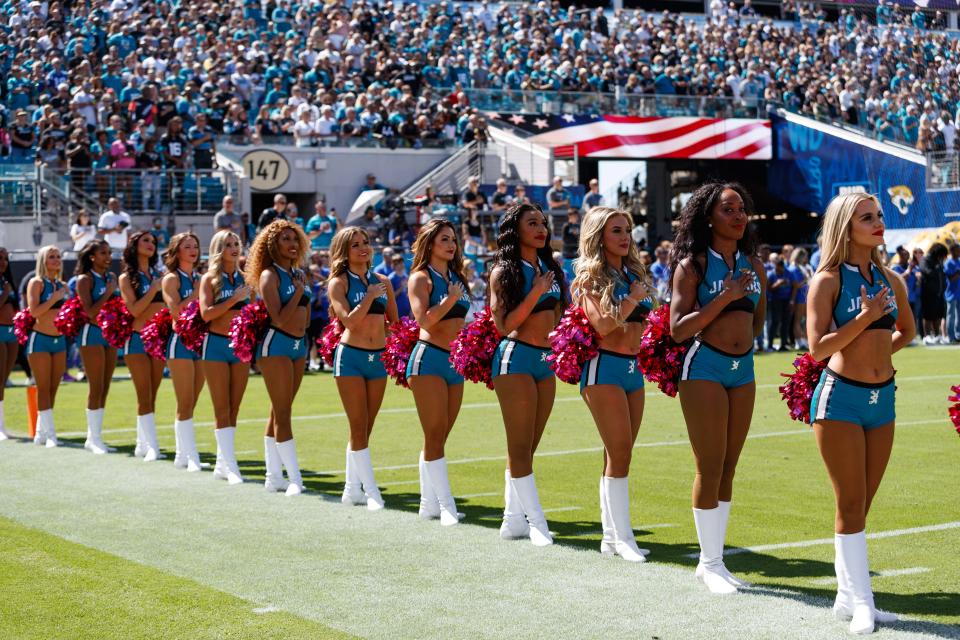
114	224
326	124
949	131
86	104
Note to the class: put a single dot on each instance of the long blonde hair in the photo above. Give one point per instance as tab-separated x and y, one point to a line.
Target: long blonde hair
592	275
835	234
263	253
423	247
215	257
340	250
171	259
41	267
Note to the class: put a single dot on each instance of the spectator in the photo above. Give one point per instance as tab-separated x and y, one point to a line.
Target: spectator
520	195
83	231
909	269
933	287
592	198
204	143
385	268
114	224
249	229
49	155
373	225
227	218
173	145
160	233
779	295
22	138
277	211
473	232
472	199
150	163
570	234
557	196
293	214
660	272
951	271
801	274
321	226
319	313
304	132
398	279
500	199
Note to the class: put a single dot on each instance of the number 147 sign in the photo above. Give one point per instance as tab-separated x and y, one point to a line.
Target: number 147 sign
267	170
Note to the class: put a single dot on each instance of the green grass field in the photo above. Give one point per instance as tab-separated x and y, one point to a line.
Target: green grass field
90	545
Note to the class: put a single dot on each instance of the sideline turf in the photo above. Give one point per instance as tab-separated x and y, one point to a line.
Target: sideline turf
781	493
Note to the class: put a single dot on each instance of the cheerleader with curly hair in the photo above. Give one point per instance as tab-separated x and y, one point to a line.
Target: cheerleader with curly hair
46	347
526	286
854	321
9	305
96	285
140	287
361	300
718	304
611	286
439	301
274	270
180	289
222	294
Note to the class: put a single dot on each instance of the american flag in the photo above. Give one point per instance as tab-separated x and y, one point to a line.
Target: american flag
646	137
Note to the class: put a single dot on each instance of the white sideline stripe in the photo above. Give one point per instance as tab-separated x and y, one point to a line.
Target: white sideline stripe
267	609
888	573
892	533
468	496
474	405
559	509
567	452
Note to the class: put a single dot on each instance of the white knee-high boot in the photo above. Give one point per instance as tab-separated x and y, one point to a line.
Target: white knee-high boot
3	424
440	482
853	565
152	452
50	430
608	545
188	446
363	470
843	604
40	437
271	458
429	507
226	467
179	459
617	494
710	571
140	449
724	508
514	526
352	487
94	443
288	456
526	488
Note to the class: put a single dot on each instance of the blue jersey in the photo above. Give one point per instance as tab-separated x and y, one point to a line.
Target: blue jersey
229	284
548	300
357	289
99	287
186	281
848	302
622	289
143	285
287	286
49	286
716	272
438	291
910	277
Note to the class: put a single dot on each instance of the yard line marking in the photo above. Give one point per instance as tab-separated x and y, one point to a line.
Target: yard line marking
567	452
892	533
559	509
267	609
398	483
468	496
888	573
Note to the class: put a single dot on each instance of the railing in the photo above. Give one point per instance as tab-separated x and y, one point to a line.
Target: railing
19	195
367	141
451	175
620	103
943	171
169	192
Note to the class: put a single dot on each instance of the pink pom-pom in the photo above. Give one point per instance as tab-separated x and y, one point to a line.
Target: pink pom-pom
574	342
471	352
156	333
954	411
247	329
329	340
71	318
800	385
660	357
400	342
115	322
23	322
191	328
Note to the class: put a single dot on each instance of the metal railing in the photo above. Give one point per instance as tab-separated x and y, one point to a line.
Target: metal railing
619	102
943	170
451	175
19	192
366	141
169	191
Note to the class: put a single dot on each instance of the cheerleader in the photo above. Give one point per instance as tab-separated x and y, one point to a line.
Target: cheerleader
9	305
180	288
610	285
95	285
525	294
272	269
222	294
718	303
46	347
360	299
140	287
439	302
853	320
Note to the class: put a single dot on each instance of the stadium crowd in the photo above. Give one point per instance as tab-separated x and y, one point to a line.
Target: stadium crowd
152	85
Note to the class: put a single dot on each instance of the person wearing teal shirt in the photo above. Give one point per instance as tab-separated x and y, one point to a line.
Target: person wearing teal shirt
321	227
